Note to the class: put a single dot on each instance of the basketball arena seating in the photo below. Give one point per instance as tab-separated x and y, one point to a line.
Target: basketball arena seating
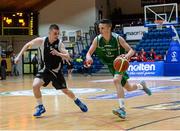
159	39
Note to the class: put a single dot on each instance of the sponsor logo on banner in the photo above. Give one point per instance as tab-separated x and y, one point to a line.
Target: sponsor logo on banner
142	67
135	32
174	56
146	68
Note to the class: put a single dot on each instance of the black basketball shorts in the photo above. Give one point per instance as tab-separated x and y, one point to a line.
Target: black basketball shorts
58	80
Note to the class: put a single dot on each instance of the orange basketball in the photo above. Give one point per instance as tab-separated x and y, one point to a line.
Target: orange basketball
121	64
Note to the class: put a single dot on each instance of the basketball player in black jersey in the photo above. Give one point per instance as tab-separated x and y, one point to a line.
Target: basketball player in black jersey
52	53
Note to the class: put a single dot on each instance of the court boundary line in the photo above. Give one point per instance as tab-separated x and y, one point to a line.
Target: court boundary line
152	122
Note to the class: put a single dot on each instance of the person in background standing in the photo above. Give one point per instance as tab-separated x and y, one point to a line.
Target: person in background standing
35	64
3	67
14	70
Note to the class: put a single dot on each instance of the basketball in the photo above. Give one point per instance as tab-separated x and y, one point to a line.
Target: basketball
121	64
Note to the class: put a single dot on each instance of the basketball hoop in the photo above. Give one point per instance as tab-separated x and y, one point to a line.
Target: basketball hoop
159	15
159	24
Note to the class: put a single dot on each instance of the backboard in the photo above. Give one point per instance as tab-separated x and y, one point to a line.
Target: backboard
166	14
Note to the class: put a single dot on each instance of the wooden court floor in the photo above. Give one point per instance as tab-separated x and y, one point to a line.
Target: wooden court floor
161	111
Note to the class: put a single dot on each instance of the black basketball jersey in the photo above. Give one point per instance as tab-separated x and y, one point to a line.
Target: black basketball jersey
49	61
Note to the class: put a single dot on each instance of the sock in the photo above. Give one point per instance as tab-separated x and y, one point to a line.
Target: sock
139	86
75	98
121	102
39	101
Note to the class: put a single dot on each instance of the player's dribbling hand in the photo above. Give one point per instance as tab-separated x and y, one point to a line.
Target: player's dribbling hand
88	63
123	56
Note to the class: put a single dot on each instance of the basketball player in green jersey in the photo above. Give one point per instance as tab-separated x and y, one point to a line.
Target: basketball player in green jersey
108	46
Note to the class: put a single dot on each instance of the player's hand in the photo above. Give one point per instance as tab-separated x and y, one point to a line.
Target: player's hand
88	63
16	60
54	52
65	60
124	56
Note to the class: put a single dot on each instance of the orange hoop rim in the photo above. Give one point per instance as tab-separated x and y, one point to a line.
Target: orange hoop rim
159	22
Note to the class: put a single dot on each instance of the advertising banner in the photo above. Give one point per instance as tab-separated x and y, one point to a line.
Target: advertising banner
146	68
135	32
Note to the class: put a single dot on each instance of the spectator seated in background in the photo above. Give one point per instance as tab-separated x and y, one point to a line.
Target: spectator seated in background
152	55
142	55
142	58
142	52
158	58
151	58
132	23
140	22
135	57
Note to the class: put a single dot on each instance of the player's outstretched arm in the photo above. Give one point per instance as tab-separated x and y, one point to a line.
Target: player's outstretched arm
91	50
37	42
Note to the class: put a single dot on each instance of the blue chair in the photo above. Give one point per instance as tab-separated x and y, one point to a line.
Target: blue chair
167	43
150	44
161	44
146	49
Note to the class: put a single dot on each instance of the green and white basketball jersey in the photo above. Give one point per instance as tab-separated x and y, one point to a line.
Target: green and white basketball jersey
108	51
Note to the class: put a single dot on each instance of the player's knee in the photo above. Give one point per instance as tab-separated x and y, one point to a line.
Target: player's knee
37	83
116	80
36	86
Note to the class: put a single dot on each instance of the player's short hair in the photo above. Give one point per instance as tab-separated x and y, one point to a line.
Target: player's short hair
53	26
106	21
